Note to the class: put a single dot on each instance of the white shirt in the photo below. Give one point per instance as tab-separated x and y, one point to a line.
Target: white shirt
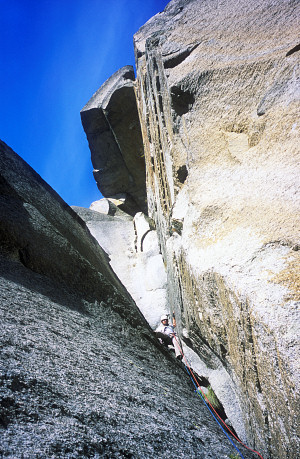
166	329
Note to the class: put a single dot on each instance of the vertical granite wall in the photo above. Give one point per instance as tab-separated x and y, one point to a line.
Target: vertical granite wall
218	98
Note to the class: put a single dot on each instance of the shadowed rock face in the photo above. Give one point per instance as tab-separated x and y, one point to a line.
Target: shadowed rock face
218	97
111	123
42	232
80	372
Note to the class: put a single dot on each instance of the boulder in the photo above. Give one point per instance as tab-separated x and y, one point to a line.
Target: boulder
110	206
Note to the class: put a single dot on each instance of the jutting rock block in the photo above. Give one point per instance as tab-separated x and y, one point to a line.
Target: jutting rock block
111	123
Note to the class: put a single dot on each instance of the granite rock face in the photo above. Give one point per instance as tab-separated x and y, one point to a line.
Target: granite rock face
81	374
111	123
134	255
218	98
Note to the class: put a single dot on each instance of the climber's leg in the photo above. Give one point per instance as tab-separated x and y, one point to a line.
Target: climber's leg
178	350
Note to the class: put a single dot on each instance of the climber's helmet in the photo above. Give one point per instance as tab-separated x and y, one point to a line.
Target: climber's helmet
164	317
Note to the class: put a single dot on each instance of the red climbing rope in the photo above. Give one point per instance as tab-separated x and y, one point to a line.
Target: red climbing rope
208	402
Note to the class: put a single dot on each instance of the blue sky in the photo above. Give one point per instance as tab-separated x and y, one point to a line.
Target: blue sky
54	55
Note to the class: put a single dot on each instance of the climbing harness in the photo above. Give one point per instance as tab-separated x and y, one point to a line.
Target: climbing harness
213	412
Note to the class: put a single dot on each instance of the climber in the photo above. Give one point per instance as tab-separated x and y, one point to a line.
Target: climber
167	336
